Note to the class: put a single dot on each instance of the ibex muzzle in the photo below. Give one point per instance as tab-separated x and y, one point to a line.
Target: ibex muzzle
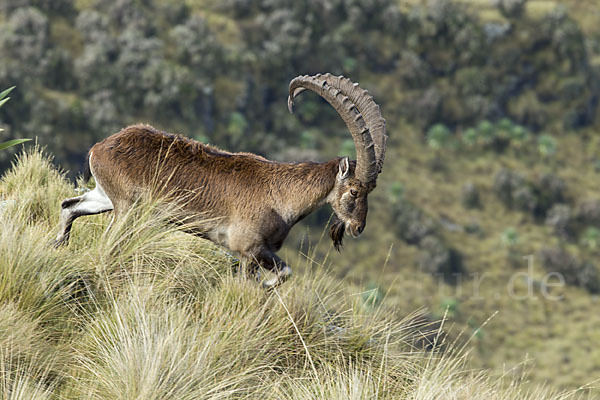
251	202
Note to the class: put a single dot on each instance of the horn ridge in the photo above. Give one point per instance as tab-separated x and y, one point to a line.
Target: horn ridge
371	112
335	94
353	101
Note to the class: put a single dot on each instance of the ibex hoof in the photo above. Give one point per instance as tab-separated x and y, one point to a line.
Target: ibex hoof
281	277
271	284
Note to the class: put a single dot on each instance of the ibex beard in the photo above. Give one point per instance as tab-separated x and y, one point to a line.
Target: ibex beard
336	232
248	203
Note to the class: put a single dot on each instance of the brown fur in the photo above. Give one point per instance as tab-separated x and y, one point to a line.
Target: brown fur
221	184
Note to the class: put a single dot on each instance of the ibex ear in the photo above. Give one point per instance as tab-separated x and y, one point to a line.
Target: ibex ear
343	169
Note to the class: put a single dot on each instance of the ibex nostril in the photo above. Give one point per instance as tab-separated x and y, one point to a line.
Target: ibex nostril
360	229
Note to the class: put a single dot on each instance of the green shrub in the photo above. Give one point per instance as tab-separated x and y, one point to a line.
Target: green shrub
396	192
308	138
588	212
591	238
450	306
511	8
470	137
546	145
438	136
486	132
503	128
509	186
550	189
510	237
518	135
237	127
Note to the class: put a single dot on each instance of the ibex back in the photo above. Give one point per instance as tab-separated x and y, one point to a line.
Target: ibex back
250	203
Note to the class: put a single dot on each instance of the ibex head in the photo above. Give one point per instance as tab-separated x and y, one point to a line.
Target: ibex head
354	180
349	200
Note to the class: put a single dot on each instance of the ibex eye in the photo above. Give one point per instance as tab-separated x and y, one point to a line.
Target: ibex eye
353	193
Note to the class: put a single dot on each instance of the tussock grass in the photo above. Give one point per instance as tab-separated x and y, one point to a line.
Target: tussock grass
24	380
144	311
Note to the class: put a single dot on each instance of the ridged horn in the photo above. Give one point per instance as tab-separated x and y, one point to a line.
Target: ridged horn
360	113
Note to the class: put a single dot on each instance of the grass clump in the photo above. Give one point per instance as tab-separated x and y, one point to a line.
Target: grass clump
144	311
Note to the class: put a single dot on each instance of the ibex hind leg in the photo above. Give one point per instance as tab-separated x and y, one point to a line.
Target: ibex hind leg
94	202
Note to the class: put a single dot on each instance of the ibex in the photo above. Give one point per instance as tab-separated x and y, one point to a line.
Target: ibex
253	202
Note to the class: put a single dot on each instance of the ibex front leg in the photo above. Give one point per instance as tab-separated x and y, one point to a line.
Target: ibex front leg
272	262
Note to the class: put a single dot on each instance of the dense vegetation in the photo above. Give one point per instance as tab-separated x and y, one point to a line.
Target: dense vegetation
492	116
219	72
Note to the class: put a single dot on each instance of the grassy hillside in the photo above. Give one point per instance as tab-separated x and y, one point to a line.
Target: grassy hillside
145	311
557	337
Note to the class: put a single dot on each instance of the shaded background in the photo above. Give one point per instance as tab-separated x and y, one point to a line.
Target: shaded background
491	111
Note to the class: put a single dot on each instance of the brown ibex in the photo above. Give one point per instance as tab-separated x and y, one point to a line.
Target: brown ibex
253	202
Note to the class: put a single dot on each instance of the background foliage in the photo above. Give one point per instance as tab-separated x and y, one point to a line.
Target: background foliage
219	71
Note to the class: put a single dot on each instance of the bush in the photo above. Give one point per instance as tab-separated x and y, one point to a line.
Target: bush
591	238
524	199
438	136
546	145
551	189
411	223
518	135
486	132
560	218
504	127
588	212
499	135
513	190
589	277
534	198
511	8
438	259
470	137
510	237
347	148
470	196
582	274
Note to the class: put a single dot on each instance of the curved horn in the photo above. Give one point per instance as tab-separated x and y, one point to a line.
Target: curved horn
360	113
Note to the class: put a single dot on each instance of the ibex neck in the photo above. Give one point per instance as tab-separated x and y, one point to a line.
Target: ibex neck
306	188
